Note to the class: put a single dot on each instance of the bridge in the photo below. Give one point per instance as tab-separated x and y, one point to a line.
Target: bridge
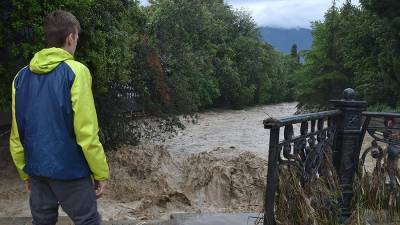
316	163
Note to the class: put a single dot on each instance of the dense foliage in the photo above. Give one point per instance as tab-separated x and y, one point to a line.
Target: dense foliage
103	46
213	55
175	56
172	57
355	46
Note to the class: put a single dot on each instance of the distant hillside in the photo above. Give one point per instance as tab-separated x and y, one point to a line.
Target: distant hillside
283	39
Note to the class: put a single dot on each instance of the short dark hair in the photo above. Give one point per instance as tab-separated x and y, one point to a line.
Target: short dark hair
58	25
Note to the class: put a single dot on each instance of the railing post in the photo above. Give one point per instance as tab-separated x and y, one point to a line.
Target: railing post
348	147
272	177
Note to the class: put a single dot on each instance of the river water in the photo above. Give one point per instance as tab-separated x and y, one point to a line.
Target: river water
241	130
215	165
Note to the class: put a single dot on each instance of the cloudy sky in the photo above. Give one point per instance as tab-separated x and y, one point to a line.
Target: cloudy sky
283	13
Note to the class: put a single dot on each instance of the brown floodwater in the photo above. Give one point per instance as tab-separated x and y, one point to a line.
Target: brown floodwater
228	129
215	165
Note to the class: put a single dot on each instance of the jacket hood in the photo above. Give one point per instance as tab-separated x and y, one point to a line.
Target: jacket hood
47	59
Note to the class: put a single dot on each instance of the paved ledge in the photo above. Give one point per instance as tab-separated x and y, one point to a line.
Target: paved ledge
61	221
176	219
213	219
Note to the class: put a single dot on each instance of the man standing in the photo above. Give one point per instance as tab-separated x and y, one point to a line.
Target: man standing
54	139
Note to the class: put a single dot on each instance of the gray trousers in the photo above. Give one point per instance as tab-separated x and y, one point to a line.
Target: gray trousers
77	198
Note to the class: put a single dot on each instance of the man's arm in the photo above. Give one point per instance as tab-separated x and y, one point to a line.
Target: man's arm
85	121
16	148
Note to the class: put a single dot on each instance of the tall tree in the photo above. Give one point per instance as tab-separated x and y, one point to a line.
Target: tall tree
324	76
294	54
354	47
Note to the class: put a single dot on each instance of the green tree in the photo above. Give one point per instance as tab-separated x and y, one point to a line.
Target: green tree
386	21
21	36
108	27
211	54
354	47
294	54
324	76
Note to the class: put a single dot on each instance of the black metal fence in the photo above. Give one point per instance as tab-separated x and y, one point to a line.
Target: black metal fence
309	139
379	162
304	152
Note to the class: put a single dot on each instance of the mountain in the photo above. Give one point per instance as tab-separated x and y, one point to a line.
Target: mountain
283	39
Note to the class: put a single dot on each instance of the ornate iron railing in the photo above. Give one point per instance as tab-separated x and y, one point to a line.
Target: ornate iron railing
303	153
378	170
335	136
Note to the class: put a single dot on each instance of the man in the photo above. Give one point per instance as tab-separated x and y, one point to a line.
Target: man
54	139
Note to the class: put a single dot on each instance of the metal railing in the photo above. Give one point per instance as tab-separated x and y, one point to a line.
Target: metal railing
378	168
337	135
304	152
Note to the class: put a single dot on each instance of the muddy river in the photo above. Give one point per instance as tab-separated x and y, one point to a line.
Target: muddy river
215	165
229	129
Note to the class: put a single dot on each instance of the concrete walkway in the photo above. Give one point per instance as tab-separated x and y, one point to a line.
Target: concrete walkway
61	221
213	219
176	219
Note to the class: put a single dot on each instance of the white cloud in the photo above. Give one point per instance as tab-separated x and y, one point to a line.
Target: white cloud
283	13
144	2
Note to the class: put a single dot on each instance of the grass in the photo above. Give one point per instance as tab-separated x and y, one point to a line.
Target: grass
376	200
377	196
314	202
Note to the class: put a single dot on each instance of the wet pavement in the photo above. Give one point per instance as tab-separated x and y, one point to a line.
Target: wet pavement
176	219
61	221
214	219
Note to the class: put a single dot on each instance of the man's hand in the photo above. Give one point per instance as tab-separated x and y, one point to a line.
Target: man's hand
100	187
27	185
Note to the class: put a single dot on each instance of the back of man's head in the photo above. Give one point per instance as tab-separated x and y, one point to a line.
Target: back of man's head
58	25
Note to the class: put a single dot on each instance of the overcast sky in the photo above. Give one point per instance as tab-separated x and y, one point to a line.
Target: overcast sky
283	13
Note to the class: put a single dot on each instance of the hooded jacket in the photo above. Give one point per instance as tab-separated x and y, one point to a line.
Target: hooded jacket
54	128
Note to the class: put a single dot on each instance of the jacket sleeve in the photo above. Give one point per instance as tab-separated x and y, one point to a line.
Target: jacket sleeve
85	121
16	148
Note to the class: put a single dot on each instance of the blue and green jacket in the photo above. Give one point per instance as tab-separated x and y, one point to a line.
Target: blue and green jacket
54	128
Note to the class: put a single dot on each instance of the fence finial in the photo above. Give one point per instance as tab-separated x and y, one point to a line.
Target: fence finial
349	94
